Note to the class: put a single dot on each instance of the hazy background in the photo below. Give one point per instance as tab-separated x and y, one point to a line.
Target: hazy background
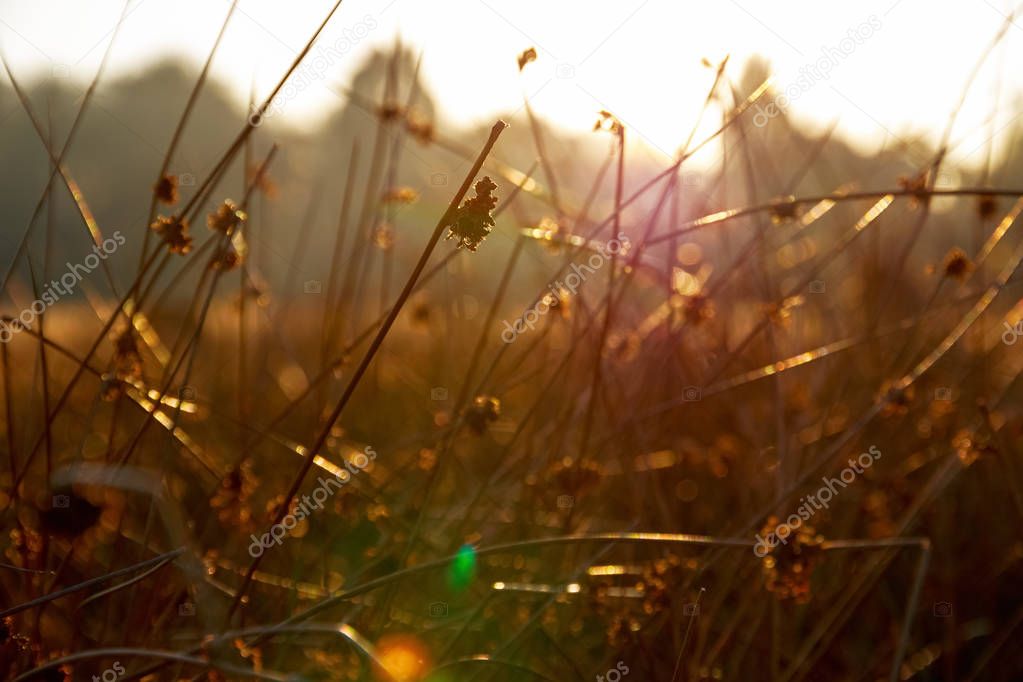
639	59
889	101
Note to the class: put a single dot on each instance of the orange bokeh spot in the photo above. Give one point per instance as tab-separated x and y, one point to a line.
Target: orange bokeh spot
404	658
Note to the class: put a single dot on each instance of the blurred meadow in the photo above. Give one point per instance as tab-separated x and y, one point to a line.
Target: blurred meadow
383	392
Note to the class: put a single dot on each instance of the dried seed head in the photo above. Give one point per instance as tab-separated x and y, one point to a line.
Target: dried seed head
986	206
401	195
389	111
528	55
957	265
420	128
16	649
917	185
484	410
166	189
228	259
127	359
383	237
473	220
972	444
897	400
780	313
608	122
174	232
226	217
232	498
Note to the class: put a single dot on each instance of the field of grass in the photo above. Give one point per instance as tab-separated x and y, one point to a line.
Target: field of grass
541	420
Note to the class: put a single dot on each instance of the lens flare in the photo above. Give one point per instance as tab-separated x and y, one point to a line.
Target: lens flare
463	568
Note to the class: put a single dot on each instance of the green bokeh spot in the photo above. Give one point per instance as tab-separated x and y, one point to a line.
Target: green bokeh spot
463	568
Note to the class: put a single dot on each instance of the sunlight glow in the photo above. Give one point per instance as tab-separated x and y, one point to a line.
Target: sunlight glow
850	62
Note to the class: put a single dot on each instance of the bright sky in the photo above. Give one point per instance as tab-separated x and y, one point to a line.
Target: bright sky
640	59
